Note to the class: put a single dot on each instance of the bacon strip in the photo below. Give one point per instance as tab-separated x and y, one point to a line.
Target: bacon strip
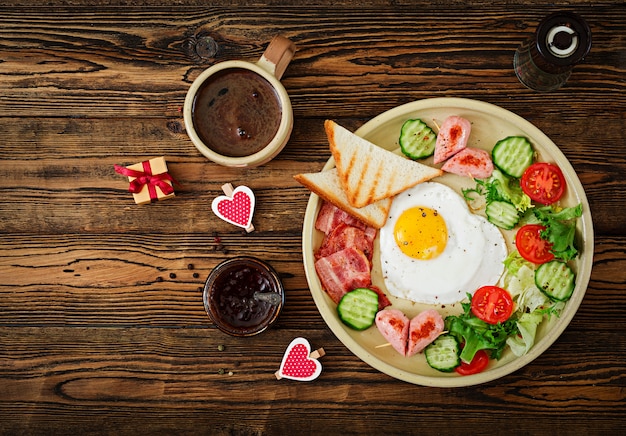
344	260
330	216
344	236
343	271
383	301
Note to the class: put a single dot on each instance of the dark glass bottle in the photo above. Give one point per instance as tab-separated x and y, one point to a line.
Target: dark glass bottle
545	61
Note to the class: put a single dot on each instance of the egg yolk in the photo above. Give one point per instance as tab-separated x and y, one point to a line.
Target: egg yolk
421	233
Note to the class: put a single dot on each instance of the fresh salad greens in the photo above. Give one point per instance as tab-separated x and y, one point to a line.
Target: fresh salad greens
560	223
518	332
476	334
560	229
508	206
500	187
532	305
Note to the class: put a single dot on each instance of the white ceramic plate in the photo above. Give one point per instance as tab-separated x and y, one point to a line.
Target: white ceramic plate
489	124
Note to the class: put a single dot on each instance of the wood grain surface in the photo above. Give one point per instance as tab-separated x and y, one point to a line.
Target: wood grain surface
102	327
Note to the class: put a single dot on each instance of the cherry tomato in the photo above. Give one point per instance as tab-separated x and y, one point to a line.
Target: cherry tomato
492	304
531	245
543	182
478	364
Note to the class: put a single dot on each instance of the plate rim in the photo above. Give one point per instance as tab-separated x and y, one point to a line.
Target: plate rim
582	279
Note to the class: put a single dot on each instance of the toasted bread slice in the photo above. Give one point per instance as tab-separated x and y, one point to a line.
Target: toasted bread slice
326	184
369	173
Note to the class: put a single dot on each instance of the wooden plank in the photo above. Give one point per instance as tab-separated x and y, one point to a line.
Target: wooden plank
117	380
114	68
43	183
152	279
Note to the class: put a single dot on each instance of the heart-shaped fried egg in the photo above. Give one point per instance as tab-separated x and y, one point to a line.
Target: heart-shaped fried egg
434	250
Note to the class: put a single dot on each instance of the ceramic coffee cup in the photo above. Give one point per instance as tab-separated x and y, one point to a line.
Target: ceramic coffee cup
237	113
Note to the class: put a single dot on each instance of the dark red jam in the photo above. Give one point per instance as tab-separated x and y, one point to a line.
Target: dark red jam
230	296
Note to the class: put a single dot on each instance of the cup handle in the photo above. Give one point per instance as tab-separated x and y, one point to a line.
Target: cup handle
277	56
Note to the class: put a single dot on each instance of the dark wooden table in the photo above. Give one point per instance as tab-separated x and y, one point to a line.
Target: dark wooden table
102	327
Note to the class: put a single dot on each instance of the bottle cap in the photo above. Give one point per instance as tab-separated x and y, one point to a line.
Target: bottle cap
563	38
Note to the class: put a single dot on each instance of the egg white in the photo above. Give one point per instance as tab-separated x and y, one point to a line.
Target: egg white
473	256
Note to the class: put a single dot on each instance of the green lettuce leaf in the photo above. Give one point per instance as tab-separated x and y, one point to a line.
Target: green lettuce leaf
503	187
476	334
560	229
527	326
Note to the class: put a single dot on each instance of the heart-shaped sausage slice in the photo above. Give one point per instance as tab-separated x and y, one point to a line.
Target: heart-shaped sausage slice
452	137
394	326
423	329
409	337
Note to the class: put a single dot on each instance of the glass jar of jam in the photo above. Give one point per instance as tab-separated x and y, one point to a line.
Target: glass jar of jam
243	296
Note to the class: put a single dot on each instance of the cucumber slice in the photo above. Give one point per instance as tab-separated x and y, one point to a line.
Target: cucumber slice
502	213
357	309
443	353
512	155
417	140
555	279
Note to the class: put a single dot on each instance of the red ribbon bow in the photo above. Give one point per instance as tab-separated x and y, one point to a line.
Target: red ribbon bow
146	178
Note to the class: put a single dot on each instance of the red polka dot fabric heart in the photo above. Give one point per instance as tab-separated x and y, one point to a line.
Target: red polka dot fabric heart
236	209
297	365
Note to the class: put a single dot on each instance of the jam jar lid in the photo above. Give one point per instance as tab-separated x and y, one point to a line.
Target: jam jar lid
243	296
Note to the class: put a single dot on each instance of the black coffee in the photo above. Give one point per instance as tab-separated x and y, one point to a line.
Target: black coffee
236	112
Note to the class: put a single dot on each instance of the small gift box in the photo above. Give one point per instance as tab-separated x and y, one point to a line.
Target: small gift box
149	180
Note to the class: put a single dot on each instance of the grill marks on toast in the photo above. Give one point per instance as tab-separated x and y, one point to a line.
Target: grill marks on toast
370	173
327	185
366	177
360	185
